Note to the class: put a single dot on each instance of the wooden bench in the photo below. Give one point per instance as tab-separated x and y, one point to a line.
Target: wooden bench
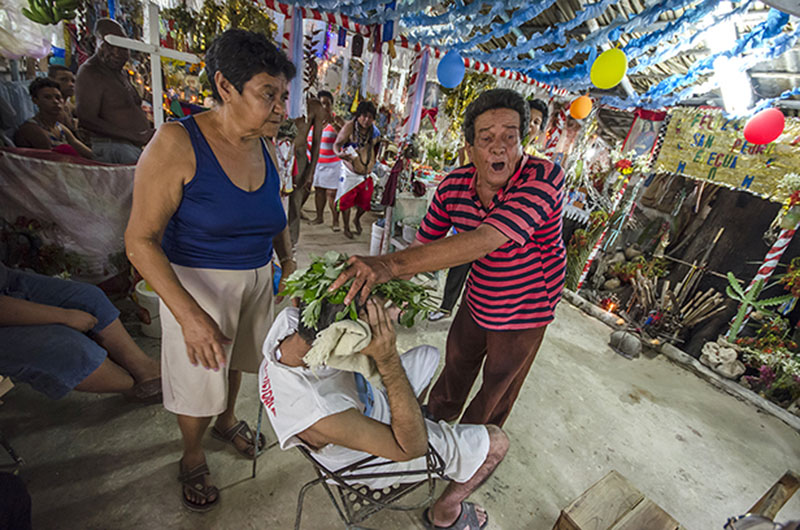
613	503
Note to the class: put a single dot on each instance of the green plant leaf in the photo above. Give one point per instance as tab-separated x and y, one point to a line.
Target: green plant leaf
733	295
737	287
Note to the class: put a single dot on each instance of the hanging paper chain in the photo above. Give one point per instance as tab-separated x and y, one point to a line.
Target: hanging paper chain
552	143
416	92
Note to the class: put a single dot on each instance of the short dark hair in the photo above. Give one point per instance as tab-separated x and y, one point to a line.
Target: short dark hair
541	106
497	98
327	316
53	69
324	94
366	107
42	82
240	55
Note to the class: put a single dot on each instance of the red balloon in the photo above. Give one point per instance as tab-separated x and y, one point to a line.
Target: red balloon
764	127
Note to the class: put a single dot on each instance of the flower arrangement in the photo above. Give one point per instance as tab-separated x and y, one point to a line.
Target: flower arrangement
624	166
773	361
791	280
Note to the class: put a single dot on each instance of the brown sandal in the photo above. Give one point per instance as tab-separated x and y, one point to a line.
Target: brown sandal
242	430
193	479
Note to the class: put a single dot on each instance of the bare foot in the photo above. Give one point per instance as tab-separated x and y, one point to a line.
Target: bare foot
357	227
348	234
304	217
317	221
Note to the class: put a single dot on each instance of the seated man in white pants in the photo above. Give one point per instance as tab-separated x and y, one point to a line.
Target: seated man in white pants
341	420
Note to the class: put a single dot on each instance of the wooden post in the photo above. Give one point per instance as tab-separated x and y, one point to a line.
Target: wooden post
773	500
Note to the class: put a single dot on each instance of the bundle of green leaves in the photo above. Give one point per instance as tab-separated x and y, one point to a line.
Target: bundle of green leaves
311	286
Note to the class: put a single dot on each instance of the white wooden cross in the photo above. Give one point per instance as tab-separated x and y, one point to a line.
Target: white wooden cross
153	47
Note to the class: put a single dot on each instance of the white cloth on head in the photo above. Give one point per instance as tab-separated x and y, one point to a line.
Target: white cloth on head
339	346
296	398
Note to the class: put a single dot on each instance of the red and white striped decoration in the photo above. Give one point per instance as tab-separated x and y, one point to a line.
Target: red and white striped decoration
331	18
345	22
771	261
590	259
485	68
596	248
555	135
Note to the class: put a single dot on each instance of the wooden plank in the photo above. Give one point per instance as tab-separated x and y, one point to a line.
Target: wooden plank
602	505
774	499
649	515
5	385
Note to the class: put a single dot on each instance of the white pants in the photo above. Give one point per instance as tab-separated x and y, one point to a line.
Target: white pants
463	448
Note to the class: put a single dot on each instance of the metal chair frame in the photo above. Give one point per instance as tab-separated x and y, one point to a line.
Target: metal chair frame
17	460
357	502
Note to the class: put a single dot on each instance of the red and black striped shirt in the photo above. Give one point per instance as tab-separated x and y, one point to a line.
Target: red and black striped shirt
518	285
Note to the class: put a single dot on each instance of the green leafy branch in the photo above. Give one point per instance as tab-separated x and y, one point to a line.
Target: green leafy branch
311	286
749	299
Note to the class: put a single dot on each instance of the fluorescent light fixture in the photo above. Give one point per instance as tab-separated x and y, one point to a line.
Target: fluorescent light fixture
734	84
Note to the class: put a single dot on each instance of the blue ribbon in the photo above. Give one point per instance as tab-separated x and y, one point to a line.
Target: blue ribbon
767	39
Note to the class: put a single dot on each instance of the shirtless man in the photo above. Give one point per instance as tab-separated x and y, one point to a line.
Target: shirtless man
357	146
66	82
316	117
108	106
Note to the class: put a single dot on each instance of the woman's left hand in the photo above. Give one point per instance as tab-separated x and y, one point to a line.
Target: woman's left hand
287	268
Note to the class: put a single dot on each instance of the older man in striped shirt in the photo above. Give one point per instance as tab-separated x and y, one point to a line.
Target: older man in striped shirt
506	207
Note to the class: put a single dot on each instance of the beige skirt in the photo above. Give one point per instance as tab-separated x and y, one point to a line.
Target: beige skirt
240	302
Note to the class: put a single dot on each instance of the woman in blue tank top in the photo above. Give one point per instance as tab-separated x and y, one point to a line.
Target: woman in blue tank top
206	217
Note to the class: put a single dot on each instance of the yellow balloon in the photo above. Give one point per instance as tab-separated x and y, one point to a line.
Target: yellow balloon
609	69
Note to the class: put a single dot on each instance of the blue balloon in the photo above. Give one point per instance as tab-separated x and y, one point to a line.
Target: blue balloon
450	70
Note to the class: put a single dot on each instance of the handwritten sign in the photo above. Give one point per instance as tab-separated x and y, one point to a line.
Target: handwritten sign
704	144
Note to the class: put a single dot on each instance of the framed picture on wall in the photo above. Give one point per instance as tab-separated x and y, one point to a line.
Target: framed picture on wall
642	136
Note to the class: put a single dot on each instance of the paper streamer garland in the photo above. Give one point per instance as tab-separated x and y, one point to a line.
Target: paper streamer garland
416	92
296	98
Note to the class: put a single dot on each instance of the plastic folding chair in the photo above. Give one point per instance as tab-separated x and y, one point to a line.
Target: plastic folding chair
356	502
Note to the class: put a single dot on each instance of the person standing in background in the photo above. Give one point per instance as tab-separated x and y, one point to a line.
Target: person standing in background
357	146
329	167
315	118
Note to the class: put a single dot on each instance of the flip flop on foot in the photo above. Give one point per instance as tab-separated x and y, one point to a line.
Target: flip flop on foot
467	520
147	392
336	228
197	495
245	434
